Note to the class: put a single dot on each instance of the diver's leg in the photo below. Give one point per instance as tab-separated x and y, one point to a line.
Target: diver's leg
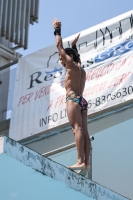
87	144
75	119
86	138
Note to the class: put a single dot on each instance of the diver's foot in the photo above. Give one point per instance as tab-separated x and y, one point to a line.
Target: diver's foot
84	172
78	166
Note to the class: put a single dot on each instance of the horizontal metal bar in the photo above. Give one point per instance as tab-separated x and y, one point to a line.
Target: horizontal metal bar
50	153
9	65
16	47
59	150
9	53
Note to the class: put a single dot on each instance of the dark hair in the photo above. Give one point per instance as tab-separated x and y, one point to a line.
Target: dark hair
76	56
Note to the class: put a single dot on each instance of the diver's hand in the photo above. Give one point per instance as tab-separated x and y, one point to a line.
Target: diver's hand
56	23
75	40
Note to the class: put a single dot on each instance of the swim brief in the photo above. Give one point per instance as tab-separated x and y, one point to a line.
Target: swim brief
78	99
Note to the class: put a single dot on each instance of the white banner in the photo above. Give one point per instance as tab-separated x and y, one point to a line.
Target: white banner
107	56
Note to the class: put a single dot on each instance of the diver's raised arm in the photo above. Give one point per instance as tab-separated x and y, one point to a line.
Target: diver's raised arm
59	43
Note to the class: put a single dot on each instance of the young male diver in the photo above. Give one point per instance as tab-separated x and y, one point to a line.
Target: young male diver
76	105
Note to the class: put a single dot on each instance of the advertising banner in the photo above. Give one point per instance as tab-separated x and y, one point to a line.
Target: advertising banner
106	52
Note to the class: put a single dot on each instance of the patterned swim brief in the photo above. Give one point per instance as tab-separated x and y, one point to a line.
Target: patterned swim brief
78	99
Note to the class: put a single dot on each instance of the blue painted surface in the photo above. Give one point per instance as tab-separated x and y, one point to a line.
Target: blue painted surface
66	158
20	182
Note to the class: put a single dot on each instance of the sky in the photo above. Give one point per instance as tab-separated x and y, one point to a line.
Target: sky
75	16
